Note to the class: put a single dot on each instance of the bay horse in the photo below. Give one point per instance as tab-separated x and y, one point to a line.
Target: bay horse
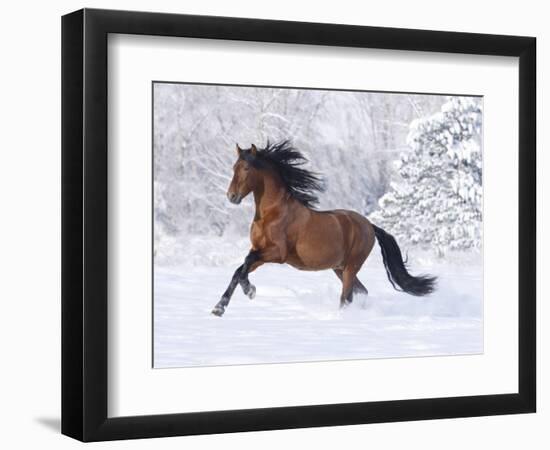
287	229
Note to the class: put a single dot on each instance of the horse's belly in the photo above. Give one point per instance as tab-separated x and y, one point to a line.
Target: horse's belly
308	263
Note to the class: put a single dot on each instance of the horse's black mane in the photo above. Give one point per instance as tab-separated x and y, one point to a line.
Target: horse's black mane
302	184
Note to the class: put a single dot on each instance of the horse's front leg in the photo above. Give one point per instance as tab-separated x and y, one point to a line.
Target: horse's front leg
255	259
219	309
239	277
251	262
248	288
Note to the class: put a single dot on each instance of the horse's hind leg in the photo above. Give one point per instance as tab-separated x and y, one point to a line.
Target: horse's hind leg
358	287
348	281
345	298
348	277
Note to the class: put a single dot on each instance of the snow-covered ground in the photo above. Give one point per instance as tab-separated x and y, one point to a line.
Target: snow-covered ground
295	316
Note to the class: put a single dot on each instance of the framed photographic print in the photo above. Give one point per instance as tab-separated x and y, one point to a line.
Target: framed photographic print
273	224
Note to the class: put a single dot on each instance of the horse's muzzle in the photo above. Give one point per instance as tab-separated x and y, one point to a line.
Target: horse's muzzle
234	198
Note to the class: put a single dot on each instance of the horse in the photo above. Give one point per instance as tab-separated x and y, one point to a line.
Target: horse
287	229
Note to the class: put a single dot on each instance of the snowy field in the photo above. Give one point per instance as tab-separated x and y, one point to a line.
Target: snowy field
295	316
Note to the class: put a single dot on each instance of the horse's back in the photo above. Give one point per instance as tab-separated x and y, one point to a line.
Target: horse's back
351	221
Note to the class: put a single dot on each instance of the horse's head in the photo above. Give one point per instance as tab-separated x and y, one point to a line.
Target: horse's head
245	175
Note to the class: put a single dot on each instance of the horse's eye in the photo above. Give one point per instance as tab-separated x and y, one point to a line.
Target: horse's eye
246	168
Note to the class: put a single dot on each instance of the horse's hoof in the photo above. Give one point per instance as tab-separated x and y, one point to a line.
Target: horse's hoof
251	292
218	311
345	304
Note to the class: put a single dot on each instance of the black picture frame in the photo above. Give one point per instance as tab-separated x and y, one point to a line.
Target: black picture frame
84	224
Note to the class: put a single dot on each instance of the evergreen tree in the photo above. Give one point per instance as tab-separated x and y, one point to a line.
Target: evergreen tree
437	202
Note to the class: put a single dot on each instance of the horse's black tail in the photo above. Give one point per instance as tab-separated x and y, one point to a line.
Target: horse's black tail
396	269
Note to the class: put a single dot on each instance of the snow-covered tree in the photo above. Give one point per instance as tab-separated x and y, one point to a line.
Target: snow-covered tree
437	201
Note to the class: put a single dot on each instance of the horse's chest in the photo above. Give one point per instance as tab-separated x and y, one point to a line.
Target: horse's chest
258	235
266	233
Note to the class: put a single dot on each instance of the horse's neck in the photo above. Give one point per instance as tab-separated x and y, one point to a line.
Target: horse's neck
269	196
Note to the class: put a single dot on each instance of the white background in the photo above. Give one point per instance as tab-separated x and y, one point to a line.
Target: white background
137	389
30	177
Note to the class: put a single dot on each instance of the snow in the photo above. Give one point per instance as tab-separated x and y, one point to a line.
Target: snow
295	316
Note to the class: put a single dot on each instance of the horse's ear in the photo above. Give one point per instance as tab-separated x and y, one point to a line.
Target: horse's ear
253	150
238	149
